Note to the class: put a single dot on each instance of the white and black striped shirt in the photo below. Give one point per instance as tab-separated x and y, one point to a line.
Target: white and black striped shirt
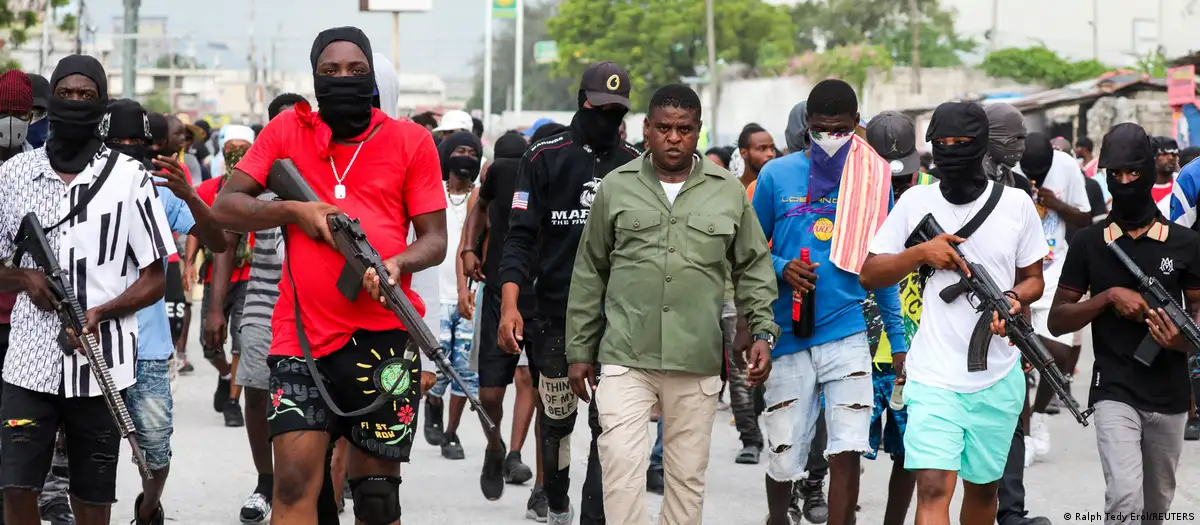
101	249
266	270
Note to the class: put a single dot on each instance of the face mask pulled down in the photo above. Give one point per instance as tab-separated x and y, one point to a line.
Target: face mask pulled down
344	103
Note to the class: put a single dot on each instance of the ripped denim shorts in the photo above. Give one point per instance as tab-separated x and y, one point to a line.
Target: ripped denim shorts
841	370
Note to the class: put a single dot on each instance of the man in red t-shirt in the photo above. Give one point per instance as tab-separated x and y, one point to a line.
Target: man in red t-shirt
386	174
225	278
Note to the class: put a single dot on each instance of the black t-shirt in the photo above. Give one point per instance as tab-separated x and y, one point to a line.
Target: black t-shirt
1170	254
1095	202
498	188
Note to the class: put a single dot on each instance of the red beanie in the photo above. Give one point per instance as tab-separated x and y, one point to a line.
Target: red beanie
16	93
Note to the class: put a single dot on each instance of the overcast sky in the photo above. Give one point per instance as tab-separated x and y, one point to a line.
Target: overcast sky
442	41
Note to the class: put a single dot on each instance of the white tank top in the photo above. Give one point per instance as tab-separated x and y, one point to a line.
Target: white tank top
456	218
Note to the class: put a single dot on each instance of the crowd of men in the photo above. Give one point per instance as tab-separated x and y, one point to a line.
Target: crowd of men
641	280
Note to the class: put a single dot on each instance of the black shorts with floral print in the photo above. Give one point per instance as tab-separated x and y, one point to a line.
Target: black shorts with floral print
350	378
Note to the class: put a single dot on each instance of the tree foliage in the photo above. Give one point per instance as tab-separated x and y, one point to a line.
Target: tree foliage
1040	65
663	41
543	90
21	19
849	63
1154	64
886	23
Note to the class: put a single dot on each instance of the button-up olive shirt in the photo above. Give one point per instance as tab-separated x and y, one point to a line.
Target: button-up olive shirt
649	276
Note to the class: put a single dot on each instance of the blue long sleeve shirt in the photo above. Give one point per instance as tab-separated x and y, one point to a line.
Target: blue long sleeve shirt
791	223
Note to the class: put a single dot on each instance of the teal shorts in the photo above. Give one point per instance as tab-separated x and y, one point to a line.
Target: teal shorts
965	433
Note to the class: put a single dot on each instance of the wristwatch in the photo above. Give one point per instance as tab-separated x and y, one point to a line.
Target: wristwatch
770	339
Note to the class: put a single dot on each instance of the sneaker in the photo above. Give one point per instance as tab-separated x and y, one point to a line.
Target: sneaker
1040	433
221	396
516	472
233	414
1030	453
655	482
452	448
158	519
1192	431
1054	407
58	513
565	518
186	366
256	508
814	509
433	422
538	506
749	455
491	478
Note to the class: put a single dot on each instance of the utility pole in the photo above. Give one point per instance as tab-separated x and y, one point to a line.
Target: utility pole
253	93
914	15
79	28
1095	29
129	50
487	63
172	94
396	42
519	67
47	23
994	40
714	78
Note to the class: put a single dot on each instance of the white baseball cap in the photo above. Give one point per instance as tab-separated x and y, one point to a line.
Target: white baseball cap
455	120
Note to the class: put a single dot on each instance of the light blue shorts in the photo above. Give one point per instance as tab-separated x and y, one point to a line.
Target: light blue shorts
965	433
841	370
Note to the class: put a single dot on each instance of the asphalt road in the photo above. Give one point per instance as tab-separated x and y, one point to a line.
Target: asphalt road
212	474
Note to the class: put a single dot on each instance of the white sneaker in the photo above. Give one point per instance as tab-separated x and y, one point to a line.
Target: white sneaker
255	510
1029	452
1040	433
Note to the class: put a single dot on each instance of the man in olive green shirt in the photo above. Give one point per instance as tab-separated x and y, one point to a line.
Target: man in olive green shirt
645	303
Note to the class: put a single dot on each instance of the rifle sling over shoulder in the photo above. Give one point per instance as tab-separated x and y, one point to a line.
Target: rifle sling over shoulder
75	210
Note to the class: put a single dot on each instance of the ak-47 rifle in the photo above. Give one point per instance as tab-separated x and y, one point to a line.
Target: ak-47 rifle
287	182
1157	297
31	239
991	299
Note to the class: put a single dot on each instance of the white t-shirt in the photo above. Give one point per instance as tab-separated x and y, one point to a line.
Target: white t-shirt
1065	179
672	189
456	218
1010	238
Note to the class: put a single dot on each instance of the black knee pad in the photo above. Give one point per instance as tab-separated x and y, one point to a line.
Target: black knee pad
376	499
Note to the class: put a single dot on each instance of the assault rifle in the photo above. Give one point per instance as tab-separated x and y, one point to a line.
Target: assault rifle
1157	297
287	182
991	299
31	239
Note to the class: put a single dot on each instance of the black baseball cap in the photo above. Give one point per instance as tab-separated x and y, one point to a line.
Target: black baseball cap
606	83
1165	146
41	91
894	137
126	119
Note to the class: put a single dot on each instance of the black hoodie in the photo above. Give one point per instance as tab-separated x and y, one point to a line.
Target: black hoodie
557	183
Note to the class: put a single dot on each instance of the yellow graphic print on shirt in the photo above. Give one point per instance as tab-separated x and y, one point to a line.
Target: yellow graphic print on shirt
910	313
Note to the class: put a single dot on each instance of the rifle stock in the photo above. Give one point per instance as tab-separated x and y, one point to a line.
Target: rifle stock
991	299
31	239
287	182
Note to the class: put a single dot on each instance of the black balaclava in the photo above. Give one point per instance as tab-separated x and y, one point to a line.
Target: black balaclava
159	129
546	131
510	146
344	103
960	167
460	166
74	124
126	119
1038	157
1127	147
601	127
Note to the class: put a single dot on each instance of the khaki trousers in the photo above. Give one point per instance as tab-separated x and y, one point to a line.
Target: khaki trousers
624	398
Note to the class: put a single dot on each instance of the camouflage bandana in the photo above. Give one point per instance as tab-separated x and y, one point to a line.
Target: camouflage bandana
233	156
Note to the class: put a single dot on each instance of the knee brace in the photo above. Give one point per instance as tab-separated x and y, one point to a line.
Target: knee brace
376	499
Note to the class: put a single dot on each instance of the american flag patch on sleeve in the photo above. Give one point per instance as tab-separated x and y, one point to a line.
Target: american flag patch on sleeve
520	200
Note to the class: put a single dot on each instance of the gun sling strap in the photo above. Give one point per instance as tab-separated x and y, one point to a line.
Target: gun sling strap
75	210
380	376
969	228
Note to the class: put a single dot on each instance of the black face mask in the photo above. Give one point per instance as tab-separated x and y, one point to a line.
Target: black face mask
138	152
961	170
345	103
601	128
960	166
74	135
1127	147
1133	202
463	167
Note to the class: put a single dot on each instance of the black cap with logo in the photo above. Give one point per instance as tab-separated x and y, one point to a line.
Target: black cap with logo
606	83
894	137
